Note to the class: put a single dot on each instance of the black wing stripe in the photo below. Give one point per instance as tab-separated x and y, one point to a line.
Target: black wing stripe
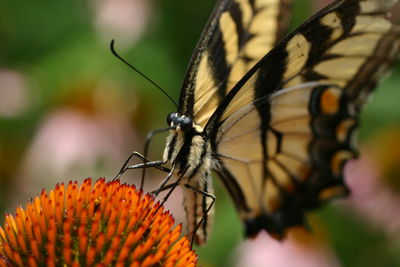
236	14
264	109
217	59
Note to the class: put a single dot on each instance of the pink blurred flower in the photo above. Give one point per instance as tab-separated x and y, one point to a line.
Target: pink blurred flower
264	251
123	20
69	138
69	144
371	196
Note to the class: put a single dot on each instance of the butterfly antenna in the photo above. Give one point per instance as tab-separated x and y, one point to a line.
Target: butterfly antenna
141	73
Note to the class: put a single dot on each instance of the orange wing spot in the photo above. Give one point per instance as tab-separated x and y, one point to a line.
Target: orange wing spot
332	192
330	101
338	160
343	129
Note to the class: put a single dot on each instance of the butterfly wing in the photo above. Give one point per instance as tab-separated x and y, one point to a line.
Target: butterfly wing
238	34
283	134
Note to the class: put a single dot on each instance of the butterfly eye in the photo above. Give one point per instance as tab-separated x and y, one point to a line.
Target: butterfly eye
186	123
170	118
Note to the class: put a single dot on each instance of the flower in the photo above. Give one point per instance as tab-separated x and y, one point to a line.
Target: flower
373	182
107	224
300	249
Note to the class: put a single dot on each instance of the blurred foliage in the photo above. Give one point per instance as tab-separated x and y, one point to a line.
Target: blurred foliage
54	44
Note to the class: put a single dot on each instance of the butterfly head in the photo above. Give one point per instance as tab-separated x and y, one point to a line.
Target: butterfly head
180	121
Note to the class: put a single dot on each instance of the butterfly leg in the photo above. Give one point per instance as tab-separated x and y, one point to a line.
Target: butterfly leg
200	217
125	166
165	181
200	238
149	137
171	188
165	187
147	164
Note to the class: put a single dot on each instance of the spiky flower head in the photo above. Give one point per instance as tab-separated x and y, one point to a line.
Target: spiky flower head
104	224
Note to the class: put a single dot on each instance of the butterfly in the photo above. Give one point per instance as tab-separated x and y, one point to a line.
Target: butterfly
274	117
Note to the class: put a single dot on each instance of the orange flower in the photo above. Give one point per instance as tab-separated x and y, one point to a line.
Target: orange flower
107	224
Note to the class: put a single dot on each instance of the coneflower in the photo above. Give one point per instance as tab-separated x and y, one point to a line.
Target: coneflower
105	224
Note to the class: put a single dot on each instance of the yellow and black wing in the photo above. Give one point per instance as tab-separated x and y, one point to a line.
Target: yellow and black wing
283	133
238	34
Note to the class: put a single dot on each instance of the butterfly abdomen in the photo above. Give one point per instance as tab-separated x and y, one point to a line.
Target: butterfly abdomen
198	207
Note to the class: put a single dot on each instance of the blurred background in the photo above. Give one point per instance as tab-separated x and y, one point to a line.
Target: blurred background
69	110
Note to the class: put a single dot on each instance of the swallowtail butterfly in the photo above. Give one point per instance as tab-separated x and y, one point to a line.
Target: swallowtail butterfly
273	116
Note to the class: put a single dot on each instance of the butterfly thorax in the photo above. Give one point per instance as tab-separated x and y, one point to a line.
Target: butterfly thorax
187	149
189	153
